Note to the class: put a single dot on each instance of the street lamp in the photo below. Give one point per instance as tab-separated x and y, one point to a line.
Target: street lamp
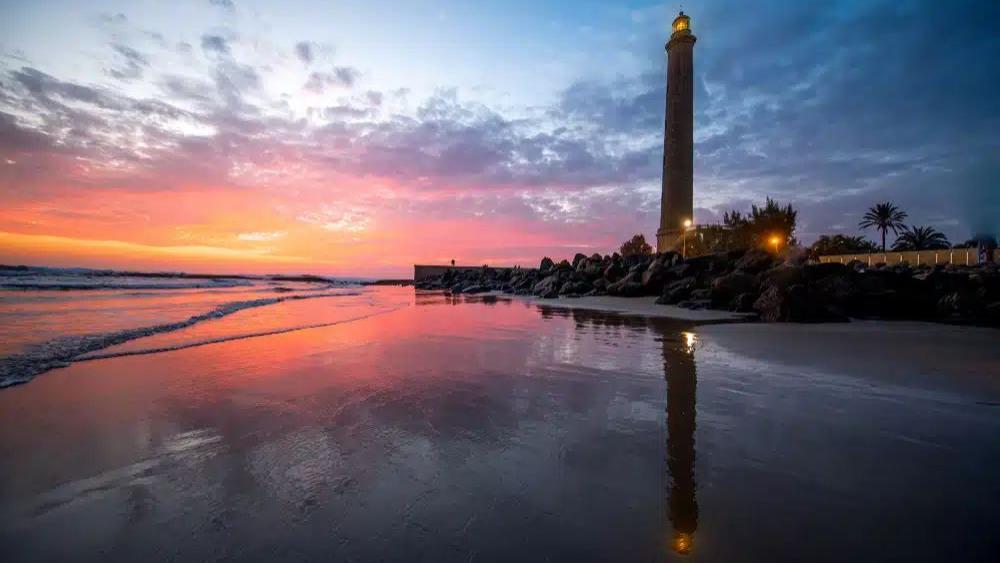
775	241
684	237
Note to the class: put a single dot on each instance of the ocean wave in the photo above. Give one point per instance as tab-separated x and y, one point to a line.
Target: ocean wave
206	342
90	285
60	352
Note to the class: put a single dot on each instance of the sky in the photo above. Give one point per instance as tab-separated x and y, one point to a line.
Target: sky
361	137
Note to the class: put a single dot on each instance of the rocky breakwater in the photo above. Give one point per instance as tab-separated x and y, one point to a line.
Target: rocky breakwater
757	282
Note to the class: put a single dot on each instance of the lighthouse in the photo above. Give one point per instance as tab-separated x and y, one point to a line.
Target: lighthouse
677	195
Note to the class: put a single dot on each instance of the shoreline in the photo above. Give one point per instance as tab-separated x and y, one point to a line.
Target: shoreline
641	306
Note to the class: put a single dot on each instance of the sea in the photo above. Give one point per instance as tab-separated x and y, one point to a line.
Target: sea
50	317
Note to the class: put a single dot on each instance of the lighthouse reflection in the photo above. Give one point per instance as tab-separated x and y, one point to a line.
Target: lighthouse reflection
682	381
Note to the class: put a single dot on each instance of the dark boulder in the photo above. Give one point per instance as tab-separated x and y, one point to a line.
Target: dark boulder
704	294
593	268
629	286
743	303
574	288
549	286
677	291
783	276
695	304
546	264
814	272
577	258
992	313
653	278
755	261
681	270
777	304
614	272
725	288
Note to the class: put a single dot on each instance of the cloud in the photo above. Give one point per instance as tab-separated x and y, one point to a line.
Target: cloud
304	51
261	236
214	44
333	217
226	4
340	77
133	63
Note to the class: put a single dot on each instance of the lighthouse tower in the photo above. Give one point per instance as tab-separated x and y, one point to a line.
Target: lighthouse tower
677	198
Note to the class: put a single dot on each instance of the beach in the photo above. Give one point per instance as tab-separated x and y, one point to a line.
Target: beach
423	427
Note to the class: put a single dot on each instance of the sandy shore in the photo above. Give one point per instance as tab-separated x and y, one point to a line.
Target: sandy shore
645	306
441	429
914	354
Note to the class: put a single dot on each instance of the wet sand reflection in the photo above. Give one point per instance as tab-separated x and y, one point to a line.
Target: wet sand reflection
682	381
680	373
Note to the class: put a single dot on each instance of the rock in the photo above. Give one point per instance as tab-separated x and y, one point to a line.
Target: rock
725	288
712	263
670	258
653	278
564	265
475	288
992	315
813	272
548	287
681	270
704	294
593	268
614	272
677	291
755	261
577	258
695	303
629	286
783	276
774	304
546	264
743	303
836	290
574	288
631	289
958	304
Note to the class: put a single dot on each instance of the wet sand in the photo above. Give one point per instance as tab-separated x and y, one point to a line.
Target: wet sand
488	429
642	306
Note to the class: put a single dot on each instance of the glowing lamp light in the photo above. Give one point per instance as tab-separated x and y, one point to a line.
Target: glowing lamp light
681	23
683	542
687	223
689	340
775	241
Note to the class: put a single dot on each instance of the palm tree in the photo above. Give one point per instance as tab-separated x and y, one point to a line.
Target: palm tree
884	216
920	238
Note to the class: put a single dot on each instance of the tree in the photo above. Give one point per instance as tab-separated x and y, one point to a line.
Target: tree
637	245
770	221
827	245
759	226
920	238
709	239
883	216
989	241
